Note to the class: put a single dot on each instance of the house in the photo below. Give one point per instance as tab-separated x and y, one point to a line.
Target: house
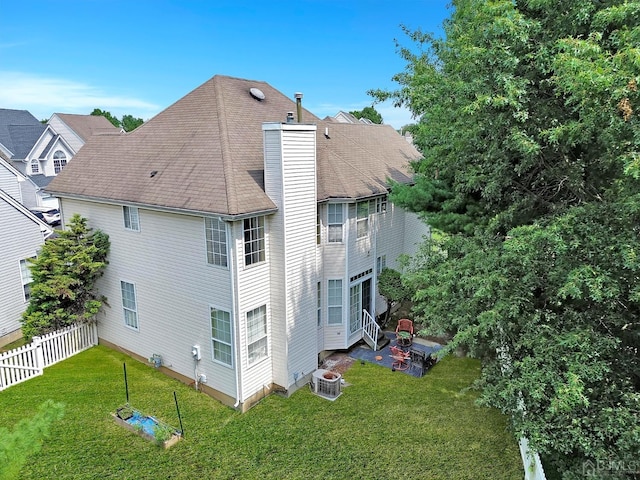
62	137
39	152
346	117
246	235
21	236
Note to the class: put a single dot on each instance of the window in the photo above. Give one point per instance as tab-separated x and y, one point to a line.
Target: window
129	305
257	334
319	303
216	235
25	275
318	227
355	308
35	166
335	221
381	262
362	223
253	240
381	204
334	302
221	336
131	218
59	161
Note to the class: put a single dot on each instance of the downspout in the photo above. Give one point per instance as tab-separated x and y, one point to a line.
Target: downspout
234	306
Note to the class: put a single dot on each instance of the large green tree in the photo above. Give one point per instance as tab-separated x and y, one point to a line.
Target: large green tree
64	275
531	140
369	113
128	122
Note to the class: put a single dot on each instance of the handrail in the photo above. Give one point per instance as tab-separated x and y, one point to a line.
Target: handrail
370	329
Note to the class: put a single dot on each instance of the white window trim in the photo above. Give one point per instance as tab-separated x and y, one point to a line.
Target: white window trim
124	308
331	306
126	215
362	221
223	342
265	336
211	253
335	224
260	241
58	164
23	279
35	163
319	304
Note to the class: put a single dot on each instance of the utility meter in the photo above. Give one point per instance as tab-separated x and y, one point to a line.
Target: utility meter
195	352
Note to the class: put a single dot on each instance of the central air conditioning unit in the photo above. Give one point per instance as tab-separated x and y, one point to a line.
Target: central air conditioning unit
327	384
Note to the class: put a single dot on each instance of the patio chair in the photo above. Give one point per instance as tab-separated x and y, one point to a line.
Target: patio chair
404	332
400	358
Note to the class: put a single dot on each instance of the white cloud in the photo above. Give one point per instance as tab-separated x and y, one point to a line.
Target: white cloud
43	96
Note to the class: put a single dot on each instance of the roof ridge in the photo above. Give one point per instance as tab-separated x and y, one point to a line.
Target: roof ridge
227	164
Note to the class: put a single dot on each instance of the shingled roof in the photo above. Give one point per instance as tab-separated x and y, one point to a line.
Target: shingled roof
87	125
19	131
204	154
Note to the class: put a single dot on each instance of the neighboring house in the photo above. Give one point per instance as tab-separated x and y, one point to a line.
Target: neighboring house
60	140
346	117
244	245
19	186
21	236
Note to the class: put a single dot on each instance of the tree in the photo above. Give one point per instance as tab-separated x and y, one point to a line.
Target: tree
64	276
130	122
368	112
529	131
26	439
391	288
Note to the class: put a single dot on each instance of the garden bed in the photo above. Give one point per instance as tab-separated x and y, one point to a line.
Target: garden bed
147	426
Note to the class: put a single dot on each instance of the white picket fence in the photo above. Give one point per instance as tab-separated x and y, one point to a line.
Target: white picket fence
28	361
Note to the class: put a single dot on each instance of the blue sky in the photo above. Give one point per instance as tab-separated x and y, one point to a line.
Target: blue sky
139	56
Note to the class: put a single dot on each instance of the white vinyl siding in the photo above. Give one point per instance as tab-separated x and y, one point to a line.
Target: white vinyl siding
25	275
131	218
221	336
216	239
334	302
129	304
257	334
254	240
335	222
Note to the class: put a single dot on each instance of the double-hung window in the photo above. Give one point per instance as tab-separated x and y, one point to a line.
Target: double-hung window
319	303
59	161
221	336
334	302
35	166
381	204
25	275
257	334
216	237
253	240
381	263
129	304
335	220
131	218
362	211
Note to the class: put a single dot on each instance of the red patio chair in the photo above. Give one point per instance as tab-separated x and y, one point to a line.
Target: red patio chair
404	332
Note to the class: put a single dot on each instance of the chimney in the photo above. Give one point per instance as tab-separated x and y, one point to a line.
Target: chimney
298	97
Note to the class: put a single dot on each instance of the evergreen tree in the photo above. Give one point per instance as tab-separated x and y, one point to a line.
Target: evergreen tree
64	276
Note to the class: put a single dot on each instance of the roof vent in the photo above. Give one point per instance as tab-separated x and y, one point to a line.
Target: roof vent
257	94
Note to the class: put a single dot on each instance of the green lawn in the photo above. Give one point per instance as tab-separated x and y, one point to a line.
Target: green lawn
386	425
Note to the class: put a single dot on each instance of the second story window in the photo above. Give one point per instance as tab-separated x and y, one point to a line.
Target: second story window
254	240
216	237
59	161
131	218
362	209
35	166
335	219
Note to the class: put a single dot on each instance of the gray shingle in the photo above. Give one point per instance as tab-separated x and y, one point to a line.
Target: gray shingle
207	151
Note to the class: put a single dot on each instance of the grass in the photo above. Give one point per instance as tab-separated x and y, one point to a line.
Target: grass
385	425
